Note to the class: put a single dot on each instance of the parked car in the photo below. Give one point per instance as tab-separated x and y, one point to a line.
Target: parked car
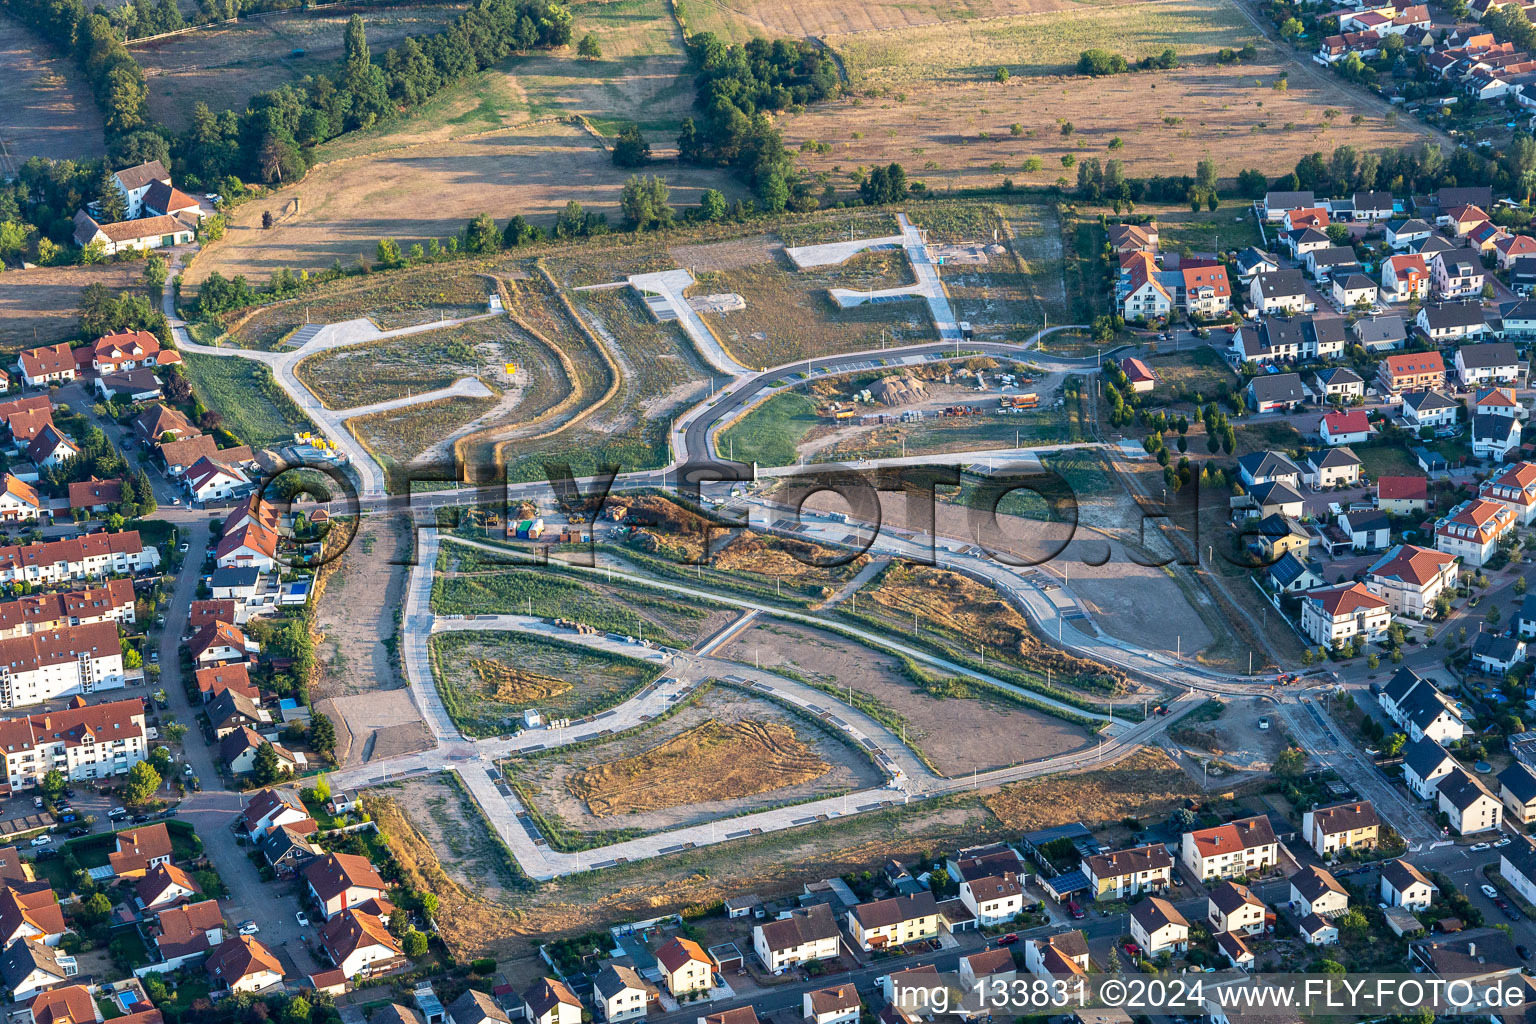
117	812
1075	910
1005	940
302	918
1524	951
77	832
1505	841
41	840
1480	847
1131	949
249	928
1489	891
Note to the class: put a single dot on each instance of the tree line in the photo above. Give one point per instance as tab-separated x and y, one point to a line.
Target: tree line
269	141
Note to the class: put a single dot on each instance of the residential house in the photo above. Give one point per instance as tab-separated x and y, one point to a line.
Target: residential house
1381	333
1253	261
1352	427
183	934
165	885
1204	292
1333	616
339	881
618	992
1515	488
1512	247
1232	907
160	423
1284	291
1277	204
164	200
739	1015
213	681
1133	237
1409	578
1487	364
839	1004
1125	873
269	809
236	584
1354	292
1317	930
1404	278
1330	467
1267	467
1404	234
180	454
1425	763
85	742
360	945
1281	339
1306	217
1235	950
1316	891
1497	401
1278	499
1468	804
30	968
1472	530
76	558
238	753
1456	274
1495	437
128	350
288	848
1333	829
1367	530
1339	382
1292	575
685	969
72	1005
885	924
48	364
1483	239
1496	655
1140	295
19	500
1517	865
1376	206
1402	495
1332	263
1403	885
1461	218
994	899
50	448
1522	276
1517	791
1065	953
30	911
242	963
549	1001
1429	409
1305	240
801	937
211	480
1275	392
95	496
1452	321
133	184
1411	371
1426	712
219	643
992	967
1158	927
1277	536
134	385
1138	374
130	235
140	849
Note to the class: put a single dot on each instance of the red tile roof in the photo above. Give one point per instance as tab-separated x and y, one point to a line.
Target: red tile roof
1402	488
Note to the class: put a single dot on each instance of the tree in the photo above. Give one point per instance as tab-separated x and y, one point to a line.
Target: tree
389	254
414	943
481	234
266	768
630	148
142	783
712	205
1291	29
131	657
1000	76
53	783
322	736
588	48
644	202
297	1011
1291	763
1393	744
112	203
519	231
155	273
162	760
1520	585
96	907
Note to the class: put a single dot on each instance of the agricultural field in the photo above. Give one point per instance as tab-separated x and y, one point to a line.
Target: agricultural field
953	727
789	315
925	97
806	18
725	753
255	409
41	305
225	65
658	375
484	692
400	298
45	109
467	586
360	375
431	190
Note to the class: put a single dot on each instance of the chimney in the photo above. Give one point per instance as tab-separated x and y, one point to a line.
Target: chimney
1471	949
47	722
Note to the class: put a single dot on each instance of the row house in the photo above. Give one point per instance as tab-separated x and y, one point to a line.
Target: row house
1239	849
112	602
1420	709
1425	763
92	556
1514	487
1487	364
1411	371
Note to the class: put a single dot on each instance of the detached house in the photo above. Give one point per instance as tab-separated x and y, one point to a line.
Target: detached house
1404	234
1275	392
1283	291
839	1004
1487	364
242	964
1240	849
1158	927
133	184
1473	529
360	945
803	936
1404	278
1429	409
342	880
685	969
1409	578
1354	291
1452	321
1062	954
1333	616
1330	467
1468	804
884	924
994	899
1403	885
1512	247
619	993
1457	274
140	849
1517	791
1352	427
1347	826
550	1002
1128	872
1411	371
1231	907
1402	495
1318	892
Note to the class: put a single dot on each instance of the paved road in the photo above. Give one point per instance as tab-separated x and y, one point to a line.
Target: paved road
464	387
927	274
670	285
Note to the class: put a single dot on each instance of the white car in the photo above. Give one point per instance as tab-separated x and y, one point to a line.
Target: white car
302	918
249	928
1479	847
1490	891
42	840
1502	843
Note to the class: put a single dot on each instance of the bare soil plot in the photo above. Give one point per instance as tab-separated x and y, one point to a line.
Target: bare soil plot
725	754
1234	735
789	315
45	110
480	701
730	255
397	298
1146	785
955	735
418	438
225	65
358	673
740	20
479	915
40	305
359	375
431	191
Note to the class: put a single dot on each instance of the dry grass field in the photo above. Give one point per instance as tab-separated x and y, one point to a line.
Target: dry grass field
431	191
925	97
400	298
745	19
360	375
45	110
421	436
1148	785
39	306
224	66
712	761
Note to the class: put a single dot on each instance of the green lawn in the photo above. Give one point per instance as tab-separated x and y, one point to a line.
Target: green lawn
1258	437
768	434
255	409
1229	227
1199	371
1377	461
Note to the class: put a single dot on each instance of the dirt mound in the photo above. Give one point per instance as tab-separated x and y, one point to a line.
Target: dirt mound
958	606
516	686
1147	784
712	761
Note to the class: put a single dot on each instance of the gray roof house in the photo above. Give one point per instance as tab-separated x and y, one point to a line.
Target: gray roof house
1272	391
1381	332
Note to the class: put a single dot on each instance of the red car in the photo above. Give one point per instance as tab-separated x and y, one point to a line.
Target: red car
1008	940
1131	949
1075	910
